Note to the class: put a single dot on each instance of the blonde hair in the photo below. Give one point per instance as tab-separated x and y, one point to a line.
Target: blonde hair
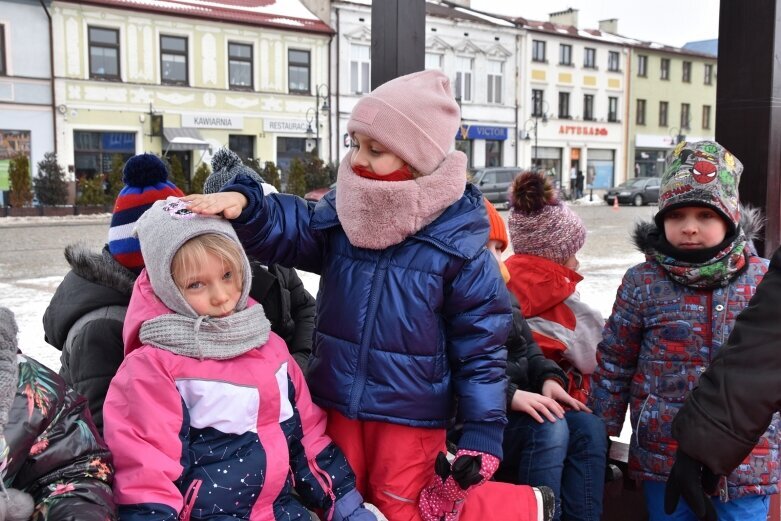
194	252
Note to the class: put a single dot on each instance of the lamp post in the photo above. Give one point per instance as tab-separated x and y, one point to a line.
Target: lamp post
321	92
539	112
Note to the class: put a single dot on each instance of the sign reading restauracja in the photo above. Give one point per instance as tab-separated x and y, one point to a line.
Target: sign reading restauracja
212	121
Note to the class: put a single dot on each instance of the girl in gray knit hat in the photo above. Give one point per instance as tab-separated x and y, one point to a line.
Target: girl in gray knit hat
209	412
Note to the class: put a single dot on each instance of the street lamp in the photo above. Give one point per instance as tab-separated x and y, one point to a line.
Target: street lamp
539	112
321	92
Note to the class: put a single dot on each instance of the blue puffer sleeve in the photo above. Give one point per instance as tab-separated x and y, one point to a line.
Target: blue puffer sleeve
276	229
478	319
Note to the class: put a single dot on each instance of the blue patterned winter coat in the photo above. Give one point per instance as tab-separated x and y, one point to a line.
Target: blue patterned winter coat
659	339
400	332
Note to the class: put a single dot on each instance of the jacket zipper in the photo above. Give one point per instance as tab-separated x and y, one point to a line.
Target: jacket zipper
363	354
324	480
189	499
709	332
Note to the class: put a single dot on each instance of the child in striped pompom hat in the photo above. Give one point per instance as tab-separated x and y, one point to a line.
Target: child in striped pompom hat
146	181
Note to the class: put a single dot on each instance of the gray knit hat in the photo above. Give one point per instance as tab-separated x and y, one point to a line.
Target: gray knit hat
225	165
14	504
162	230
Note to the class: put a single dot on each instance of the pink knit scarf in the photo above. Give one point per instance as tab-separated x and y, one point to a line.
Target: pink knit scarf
378	214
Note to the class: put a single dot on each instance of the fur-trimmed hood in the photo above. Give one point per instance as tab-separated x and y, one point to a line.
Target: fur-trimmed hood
96	280
100	268
751	222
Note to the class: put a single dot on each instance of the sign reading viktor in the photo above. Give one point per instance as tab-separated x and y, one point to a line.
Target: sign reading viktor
481	132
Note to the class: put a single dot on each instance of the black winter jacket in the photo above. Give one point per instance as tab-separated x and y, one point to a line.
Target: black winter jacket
527	367
96	281
741	389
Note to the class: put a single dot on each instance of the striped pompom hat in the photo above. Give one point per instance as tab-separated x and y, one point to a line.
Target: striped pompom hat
146	181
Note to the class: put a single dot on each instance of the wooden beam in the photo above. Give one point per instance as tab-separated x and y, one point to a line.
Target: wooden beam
398	39
748	104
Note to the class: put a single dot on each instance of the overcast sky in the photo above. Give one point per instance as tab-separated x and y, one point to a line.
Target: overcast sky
673	22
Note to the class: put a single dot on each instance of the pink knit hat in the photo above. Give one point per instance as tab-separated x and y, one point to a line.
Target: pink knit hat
539	223
415	116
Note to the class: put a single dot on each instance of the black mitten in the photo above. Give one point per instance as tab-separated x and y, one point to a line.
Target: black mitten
466	471
691	479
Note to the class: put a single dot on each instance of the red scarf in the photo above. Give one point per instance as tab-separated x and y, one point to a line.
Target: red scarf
402	174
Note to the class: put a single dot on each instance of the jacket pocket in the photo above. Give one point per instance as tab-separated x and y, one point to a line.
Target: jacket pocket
654	423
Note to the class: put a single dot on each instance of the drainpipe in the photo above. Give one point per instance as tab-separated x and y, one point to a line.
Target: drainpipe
627	122
51	73
338	96
330	118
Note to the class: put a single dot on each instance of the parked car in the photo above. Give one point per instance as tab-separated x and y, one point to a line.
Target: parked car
495	183
318	193
637	191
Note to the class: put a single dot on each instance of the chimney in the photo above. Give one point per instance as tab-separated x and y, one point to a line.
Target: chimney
568	17
319	8
609	26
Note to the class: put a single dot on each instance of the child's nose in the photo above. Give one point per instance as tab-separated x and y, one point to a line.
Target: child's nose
358	157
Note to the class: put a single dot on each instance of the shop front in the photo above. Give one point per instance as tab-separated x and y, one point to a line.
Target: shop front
483	145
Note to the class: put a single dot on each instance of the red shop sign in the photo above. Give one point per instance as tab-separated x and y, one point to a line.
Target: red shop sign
577	130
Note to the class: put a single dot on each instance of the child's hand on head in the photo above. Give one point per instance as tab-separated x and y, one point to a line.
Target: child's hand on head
229	204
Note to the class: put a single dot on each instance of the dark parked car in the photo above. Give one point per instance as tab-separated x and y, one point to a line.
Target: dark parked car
495	183
637	191
318	193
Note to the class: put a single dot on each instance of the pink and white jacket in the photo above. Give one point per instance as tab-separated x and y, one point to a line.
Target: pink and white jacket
197	438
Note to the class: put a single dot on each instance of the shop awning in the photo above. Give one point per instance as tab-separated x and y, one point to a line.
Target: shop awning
183	139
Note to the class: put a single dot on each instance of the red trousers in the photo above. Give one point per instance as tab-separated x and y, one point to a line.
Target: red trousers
392	464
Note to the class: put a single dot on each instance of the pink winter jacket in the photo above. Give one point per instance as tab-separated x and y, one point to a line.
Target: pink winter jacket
192	437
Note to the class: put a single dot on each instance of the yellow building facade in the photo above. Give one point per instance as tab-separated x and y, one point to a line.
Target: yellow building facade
183	84
672	96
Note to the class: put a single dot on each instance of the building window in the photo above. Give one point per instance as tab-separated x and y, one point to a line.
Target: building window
612	109
95	151
685	115
493	153
3	70
244	146
565	54
612	61
588	107
590	58
495	75
464	78
538	51
564	105
433	61
173	60
103	53
640	120
687	72
663	113
240	66
298	71
360	68
706	116
664	71
708	74
537	102
642	65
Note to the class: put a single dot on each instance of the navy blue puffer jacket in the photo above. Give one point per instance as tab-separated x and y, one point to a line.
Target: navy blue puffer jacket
404	332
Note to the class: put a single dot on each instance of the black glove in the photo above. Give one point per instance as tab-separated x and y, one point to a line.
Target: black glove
465	469
692	480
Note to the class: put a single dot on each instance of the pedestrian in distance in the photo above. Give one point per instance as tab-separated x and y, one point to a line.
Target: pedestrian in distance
747	368
671	317
552	439
209	412
53	461
412	310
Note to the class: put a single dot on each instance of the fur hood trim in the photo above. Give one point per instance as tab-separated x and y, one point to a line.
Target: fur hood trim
100	268
751	222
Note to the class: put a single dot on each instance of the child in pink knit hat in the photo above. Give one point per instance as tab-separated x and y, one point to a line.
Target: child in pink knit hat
412	310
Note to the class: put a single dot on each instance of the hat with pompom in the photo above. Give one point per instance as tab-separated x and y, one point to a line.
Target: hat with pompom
225	165
15	505
146	181
540	224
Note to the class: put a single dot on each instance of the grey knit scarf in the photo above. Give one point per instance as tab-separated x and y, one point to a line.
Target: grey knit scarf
207	338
